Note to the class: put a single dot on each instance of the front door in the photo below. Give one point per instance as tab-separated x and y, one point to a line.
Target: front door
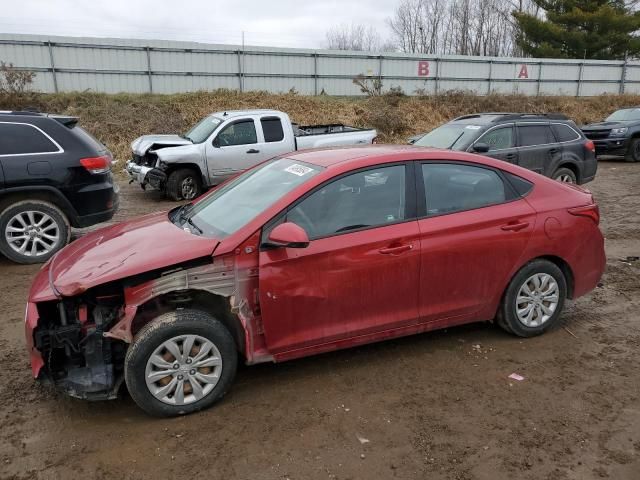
360	273
472	233
234	149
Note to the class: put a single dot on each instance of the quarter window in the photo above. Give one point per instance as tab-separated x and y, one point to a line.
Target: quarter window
564	133
21	138
453	188
535	135
498	139
238	133
365	199
272	129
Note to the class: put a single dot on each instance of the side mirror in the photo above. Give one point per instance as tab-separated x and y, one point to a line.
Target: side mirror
288	235
481	148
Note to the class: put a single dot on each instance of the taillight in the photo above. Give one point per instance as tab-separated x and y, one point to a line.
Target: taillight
374	141
590	211
590	146
100	164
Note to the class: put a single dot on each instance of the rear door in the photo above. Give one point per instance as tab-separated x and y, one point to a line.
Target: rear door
360	273
473	230
537	146
502	143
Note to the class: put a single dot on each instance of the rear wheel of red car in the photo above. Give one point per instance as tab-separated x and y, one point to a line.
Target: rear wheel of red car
31	231
534	299
183	184
633	153
179	363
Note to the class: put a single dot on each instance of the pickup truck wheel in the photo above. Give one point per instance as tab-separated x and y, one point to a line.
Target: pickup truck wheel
31	231
565	175
533	300
179	363
633	153
183	184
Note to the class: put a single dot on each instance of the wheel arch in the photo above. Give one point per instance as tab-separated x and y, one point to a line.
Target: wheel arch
218	306
51	195
174	167
571	165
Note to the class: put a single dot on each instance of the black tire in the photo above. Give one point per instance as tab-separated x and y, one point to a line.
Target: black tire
633	152
184	184
507	316
565	175
39	209
162	329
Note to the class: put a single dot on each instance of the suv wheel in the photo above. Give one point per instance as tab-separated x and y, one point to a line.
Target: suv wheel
633	154
534	299
565	175
183	184
179	363
31	231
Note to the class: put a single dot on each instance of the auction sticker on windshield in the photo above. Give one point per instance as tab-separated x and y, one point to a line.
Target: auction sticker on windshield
473	127
297	169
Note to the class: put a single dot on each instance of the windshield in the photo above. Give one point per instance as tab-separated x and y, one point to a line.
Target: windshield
235	204
201	130
625	115
450	136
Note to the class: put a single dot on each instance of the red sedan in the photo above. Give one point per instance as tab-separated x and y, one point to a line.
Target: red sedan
304	254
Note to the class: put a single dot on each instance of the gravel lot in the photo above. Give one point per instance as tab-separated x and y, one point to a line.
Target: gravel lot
437	405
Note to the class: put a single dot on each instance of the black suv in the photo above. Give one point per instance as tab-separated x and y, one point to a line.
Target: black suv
549	144
618	135
53	176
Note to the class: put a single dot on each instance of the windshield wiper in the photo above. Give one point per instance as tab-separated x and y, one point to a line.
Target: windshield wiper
198	229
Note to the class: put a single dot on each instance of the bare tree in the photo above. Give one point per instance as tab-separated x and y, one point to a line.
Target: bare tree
353	37
464	27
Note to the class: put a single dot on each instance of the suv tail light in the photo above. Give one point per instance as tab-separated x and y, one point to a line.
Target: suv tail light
590	146
96	165
374	141
590	211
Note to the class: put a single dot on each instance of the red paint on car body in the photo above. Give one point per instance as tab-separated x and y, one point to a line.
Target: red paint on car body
349	289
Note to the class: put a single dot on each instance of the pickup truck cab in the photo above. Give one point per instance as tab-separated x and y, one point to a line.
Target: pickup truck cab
224	144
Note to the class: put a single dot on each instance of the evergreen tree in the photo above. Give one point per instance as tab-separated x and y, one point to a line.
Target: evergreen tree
594	29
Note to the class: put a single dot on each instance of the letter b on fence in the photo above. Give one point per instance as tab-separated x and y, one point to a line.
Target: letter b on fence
423	68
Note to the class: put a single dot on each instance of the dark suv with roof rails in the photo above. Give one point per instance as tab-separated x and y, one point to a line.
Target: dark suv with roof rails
53	176
549	144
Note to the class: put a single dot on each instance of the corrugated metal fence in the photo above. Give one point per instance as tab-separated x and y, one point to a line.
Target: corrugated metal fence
65	64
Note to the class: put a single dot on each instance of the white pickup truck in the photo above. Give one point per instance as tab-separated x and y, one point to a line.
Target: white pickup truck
225	143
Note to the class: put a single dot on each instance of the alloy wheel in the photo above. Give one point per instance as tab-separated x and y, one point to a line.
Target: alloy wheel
537	300
183	369
32	233
188	188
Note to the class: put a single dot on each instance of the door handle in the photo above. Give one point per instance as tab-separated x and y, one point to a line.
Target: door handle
253	150
514	226
553	151
395	250
510	156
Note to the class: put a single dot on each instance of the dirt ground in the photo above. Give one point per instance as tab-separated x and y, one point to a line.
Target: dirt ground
437	405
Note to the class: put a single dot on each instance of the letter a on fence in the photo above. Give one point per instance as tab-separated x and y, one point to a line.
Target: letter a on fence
524	73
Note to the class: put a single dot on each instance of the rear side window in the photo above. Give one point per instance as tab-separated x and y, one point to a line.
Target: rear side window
272	129
564	133
531	135
22	138
451	188
499	138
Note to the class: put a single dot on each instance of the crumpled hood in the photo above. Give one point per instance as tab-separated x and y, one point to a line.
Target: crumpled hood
141	144
123	250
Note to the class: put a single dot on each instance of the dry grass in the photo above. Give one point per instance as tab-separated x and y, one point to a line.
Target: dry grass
117	119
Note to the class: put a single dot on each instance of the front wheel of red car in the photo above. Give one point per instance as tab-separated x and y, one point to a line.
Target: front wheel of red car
534	299
181	362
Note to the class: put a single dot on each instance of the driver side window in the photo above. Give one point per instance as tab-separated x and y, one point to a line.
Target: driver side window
362	200
238	133
498	139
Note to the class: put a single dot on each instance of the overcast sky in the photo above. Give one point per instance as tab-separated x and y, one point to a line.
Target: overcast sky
280	23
